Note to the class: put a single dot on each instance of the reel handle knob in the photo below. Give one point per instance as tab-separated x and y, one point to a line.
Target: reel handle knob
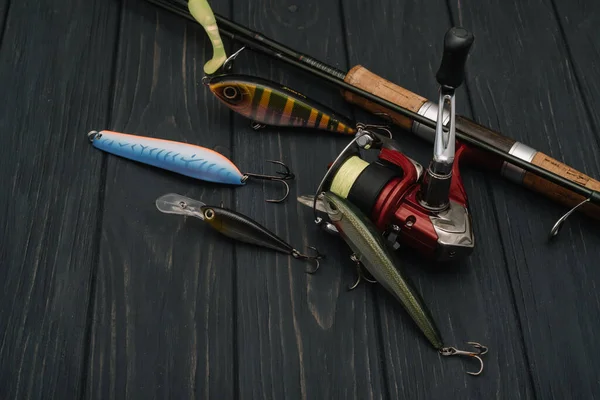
457	43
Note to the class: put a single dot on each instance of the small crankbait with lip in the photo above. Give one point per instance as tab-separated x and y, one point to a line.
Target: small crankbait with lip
370	250
183	158
232	224
268	103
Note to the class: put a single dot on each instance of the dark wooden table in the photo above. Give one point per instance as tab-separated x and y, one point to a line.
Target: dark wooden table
105	297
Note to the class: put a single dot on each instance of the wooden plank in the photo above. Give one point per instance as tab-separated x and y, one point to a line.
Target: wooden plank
522	85
164	315
4	4
577	22
299	335
55	75
471	300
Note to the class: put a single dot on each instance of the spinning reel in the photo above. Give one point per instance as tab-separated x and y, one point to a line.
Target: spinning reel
426	209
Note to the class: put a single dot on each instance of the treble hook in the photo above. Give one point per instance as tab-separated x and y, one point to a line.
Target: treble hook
316	258
481	350
283	176
359	274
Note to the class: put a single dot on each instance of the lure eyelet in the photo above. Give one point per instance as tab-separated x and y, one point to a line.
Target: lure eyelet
94	135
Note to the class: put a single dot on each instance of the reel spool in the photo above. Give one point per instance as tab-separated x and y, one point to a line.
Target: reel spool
362	183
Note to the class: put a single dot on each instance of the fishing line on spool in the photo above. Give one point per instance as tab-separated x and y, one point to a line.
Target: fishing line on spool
347	175
354	178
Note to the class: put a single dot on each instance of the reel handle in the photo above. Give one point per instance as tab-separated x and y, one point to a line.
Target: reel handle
437	180
457	43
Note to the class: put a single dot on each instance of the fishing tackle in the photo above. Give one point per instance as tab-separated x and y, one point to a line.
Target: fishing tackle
232	224
514	160
183	158
268	103
425	209
370	250
201	11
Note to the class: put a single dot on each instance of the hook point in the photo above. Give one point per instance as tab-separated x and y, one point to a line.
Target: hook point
559	223
228	63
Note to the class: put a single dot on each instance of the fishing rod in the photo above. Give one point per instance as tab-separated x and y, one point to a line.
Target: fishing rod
516	161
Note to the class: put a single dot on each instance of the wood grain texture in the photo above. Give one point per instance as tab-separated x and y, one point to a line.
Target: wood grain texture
55	82
472	299
578	22
4	4
522	85
163	316
105	297
299	336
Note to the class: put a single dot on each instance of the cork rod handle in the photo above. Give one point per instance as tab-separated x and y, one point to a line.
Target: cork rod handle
558	193
364	79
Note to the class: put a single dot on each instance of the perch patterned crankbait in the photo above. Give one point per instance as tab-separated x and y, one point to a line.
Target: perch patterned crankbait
231	224
371	251
183	158
268	103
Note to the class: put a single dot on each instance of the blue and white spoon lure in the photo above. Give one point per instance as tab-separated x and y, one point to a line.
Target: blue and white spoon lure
183	158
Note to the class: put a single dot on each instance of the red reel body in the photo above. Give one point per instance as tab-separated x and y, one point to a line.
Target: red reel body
398	211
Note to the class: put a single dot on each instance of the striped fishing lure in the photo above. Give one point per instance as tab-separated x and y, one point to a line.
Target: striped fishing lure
269	103
183	158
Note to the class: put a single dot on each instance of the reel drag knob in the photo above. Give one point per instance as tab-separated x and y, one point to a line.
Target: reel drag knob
435	187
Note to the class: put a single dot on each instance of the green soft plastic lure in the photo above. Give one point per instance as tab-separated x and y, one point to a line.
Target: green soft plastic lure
201	11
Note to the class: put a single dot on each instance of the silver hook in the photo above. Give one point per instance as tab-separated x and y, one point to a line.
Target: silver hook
561	220
481	350
316	258
228	63
359	274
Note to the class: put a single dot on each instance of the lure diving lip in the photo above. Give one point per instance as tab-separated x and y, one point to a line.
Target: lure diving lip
269	103
232	224
183	158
